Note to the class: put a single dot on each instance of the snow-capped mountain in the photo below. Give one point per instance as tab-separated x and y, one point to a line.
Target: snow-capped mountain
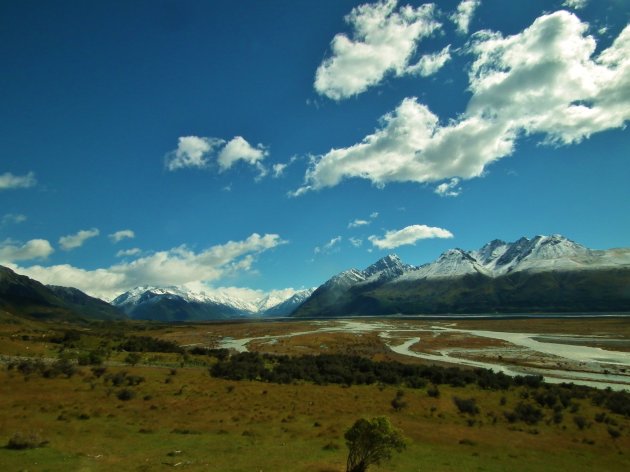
287	306
544	273
178	303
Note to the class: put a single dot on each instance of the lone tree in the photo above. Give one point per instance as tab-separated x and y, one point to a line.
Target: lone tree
370	442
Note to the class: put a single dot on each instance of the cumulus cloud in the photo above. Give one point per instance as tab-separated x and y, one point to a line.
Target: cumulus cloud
240	150
408	235
383	41
449	189
73	241
192	151
176	266
463	15
329	247
33	249
575	4
12	218
199	152
122	234
543	80
10	181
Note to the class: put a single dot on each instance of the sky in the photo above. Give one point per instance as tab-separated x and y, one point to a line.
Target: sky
253	147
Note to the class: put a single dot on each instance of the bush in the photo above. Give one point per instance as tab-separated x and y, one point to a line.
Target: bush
466	405
126	394
25	441
525	412
371	442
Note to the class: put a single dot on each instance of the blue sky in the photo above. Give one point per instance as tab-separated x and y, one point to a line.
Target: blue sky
256	146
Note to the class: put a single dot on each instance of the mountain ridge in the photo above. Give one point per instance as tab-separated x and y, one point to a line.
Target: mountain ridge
544	273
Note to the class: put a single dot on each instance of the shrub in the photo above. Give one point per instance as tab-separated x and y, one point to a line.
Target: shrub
525	412
25	441
466	405
126	394
370	442
580	422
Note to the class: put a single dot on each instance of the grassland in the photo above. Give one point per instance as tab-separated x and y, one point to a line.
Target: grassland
181	417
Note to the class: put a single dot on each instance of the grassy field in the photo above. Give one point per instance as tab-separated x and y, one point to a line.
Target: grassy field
179	416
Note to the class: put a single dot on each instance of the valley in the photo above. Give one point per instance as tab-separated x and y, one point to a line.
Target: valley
160	408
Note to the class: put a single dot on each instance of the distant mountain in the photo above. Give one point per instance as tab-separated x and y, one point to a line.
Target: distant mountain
179	304
542	274
288	306
22	296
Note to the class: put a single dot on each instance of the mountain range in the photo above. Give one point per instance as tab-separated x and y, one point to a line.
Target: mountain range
178	304
542	274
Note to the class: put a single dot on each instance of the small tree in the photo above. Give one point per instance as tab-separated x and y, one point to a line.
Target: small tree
370	442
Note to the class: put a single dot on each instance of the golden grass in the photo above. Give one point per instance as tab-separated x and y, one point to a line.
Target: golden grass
195	422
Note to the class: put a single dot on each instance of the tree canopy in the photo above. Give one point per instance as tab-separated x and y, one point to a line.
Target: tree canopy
370	442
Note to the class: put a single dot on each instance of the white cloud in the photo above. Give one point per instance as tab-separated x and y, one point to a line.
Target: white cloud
408	235
12	218
356	242
463	15
192	151
357	223
128	252
33	249
176	266
429	64
449	189
330	246
575	4
199	152
383	41
73	241
278	170
542	81
122	234
10	181
238	149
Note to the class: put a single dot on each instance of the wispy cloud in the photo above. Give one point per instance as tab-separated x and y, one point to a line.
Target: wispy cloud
463	15
122	234
11	251
383	41
330	246
449	189
12	218
575	4
583	95
408	235
360	222
73	241
9	181
128	252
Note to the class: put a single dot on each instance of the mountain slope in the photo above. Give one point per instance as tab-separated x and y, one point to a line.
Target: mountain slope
179	304
22	296
542	274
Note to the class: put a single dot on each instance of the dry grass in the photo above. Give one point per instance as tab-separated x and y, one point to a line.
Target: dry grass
195	422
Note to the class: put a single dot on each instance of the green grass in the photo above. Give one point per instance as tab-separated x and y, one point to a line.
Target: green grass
195	422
